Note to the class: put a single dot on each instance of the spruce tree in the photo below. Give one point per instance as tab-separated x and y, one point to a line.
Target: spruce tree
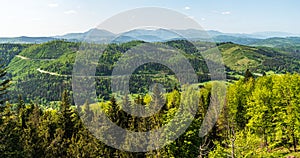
66	115
248	75
4	84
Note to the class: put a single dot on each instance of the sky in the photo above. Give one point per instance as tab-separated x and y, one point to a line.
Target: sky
57	17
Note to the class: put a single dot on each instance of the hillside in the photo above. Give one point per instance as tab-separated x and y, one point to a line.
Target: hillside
42	69
258	59
42	72
9	51
289	44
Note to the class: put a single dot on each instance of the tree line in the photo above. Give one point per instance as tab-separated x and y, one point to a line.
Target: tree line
260	118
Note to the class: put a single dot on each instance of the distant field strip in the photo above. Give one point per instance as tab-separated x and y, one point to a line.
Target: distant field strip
26	58
40	70
51	73
22	57
57	74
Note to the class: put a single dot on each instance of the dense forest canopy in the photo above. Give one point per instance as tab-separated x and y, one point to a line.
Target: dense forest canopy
260	117
42	71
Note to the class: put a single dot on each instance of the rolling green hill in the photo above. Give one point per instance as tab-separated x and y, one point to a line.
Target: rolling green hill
289	44
9	51
44	70
258	59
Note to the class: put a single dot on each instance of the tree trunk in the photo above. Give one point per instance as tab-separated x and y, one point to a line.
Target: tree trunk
232	149
232	143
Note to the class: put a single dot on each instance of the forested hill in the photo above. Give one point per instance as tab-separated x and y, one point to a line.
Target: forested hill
44	70
9	51
260	117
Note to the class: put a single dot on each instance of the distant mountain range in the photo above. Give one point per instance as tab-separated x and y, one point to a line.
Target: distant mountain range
24	39
159	35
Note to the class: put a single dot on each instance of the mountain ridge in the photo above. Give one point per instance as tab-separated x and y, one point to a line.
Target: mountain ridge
158	35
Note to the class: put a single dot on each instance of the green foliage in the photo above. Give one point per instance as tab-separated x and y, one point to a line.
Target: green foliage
38	65
219	151
8	52
4	84
261	117
258	59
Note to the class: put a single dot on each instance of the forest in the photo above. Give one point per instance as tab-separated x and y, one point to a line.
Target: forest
38	117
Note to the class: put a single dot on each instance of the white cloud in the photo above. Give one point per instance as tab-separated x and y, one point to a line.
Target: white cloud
203	19
226	13
187	8
53	5
70	12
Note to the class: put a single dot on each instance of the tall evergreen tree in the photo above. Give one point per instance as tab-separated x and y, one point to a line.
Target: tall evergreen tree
4	84
66	116
248	75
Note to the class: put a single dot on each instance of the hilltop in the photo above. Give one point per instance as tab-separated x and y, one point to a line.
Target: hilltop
97	35
43	69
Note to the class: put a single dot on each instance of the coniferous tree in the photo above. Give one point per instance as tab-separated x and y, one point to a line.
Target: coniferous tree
10	133
30	137
88	114
248	75
66	116
4	84
116	137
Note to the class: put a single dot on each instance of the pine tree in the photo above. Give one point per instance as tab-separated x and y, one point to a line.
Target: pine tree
62	137
4	84
66	116
88	114
114	110
157	101
126	116
10	133
115	117
248	75
30	137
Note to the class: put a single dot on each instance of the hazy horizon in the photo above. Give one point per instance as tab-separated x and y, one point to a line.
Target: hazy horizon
58	17
246	33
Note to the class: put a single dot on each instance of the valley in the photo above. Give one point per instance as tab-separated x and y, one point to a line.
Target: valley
255	73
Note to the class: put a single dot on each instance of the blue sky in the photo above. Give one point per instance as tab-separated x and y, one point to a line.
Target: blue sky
57	17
